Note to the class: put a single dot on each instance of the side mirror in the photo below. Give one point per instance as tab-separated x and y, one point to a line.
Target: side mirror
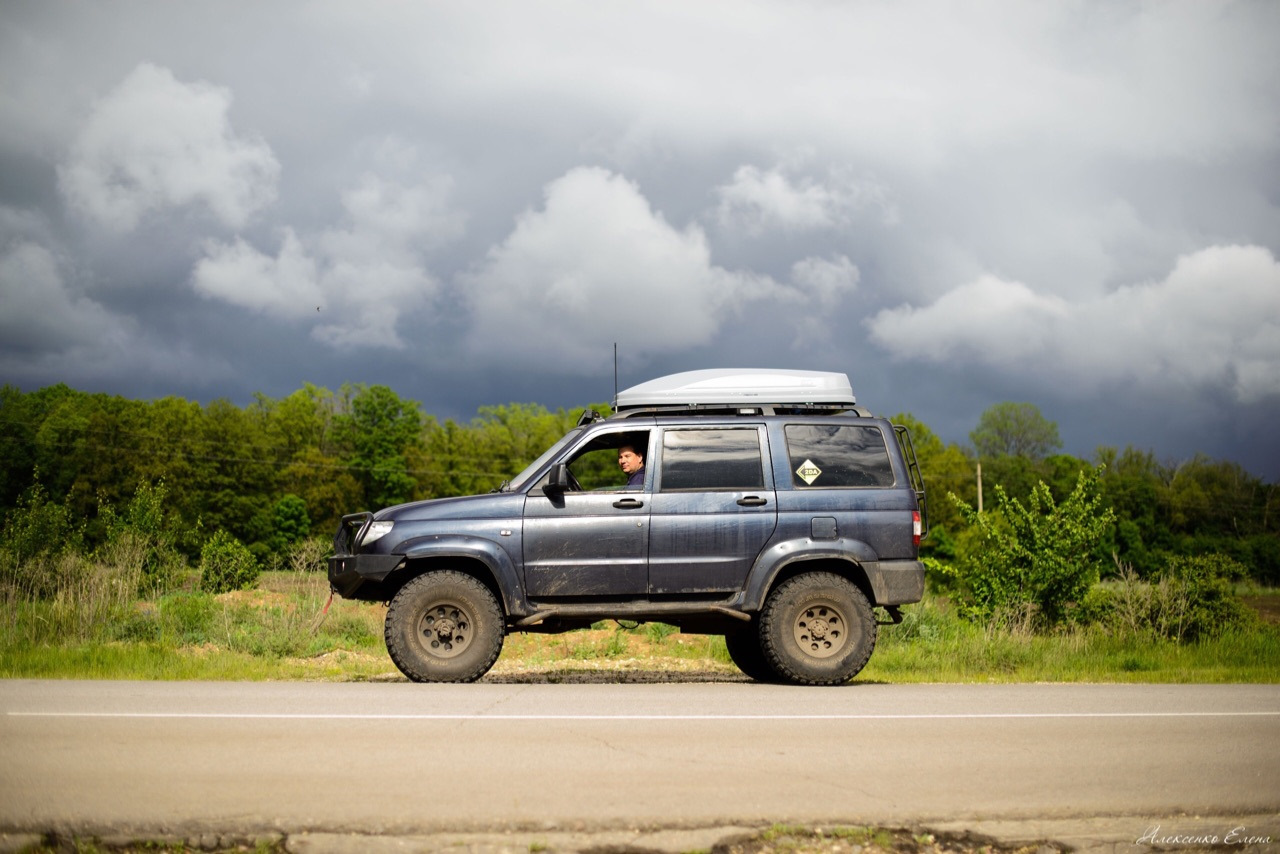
557	480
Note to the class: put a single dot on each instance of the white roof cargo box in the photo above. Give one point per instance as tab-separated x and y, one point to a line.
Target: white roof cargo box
741	387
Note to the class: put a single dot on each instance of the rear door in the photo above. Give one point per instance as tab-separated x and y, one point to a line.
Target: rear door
713	508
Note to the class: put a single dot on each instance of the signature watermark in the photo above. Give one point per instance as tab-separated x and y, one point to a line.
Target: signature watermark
1239	835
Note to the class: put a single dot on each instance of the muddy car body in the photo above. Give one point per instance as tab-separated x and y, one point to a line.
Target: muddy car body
773	511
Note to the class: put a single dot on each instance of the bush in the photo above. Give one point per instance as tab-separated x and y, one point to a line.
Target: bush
1203	588
1098	607
142	540
226	564
1191	599
37	534
1032	565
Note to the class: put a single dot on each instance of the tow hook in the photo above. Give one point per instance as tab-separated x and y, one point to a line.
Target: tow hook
895	616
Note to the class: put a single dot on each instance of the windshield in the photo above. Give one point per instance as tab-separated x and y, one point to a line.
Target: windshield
519	480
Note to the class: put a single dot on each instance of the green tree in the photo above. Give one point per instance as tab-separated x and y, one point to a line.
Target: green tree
292	523
1133	485
310	463
235	473
1015	430
498	443
380	429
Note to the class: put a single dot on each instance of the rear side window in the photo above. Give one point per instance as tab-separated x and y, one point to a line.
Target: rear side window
706	460
829	456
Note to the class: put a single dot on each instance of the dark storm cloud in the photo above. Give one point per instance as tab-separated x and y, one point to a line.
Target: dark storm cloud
1074	204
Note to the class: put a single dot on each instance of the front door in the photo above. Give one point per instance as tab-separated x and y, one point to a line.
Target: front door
586	544
592	540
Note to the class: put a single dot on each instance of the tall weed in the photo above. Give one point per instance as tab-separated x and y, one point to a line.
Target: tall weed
37	534
142	539
1191	598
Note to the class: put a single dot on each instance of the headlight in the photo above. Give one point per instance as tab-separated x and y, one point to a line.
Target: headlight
376	531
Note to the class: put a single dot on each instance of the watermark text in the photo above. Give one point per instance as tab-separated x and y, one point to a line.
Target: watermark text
1239	835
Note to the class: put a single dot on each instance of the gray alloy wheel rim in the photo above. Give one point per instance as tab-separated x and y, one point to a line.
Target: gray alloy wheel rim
821	629
446	629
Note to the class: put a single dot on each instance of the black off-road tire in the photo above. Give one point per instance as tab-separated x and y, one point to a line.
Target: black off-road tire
817	629
444	626
746	653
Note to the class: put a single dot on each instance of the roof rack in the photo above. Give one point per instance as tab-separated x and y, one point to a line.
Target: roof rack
739	391
744	411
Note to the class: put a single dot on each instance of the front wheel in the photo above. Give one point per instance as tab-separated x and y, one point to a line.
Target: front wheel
817	629
444	627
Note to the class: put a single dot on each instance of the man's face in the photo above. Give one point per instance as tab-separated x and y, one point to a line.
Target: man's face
628	460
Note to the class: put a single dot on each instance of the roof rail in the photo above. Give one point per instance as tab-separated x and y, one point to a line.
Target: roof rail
745	411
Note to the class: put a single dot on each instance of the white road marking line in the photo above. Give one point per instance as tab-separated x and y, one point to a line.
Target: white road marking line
631	717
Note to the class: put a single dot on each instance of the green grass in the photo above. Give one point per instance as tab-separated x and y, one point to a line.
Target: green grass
277	632
946	649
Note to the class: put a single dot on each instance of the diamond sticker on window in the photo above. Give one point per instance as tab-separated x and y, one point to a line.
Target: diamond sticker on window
808	472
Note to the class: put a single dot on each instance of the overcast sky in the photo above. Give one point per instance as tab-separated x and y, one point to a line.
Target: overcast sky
1075	204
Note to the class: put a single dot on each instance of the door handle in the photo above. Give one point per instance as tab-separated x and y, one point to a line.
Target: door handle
752	501
628	504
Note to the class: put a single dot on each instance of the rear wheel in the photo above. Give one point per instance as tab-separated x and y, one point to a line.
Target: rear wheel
744	651
817	629
444	627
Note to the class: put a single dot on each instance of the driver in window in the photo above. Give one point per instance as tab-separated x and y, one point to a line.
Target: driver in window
631	461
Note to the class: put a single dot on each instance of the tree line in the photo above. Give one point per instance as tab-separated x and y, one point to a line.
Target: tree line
268	473
1161	508
280	470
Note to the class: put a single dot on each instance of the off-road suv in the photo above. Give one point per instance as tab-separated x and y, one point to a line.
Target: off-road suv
773	511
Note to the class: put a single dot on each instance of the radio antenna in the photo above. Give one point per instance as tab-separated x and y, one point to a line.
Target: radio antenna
615	376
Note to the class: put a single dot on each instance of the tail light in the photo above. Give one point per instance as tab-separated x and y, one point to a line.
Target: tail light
915	528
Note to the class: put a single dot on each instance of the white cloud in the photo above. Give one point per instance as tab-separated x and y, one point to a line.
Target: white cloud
821	285
760	200
827	280
368	274
598	265
285	286
386	216
155	143
1214	320
989	321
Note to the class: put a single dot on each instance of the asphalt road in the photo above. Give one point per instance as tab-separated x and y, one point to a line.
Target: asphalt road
403	758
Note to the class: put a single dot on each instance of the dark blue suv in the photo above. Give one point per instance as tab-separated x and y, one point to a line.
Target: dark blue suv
768	509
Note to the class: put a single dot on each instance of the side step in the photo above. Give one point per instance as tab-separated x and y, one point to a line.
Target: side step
629	611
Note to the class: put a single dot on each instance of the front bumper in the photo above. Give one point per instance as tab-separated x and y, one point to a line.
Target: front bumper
361	576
